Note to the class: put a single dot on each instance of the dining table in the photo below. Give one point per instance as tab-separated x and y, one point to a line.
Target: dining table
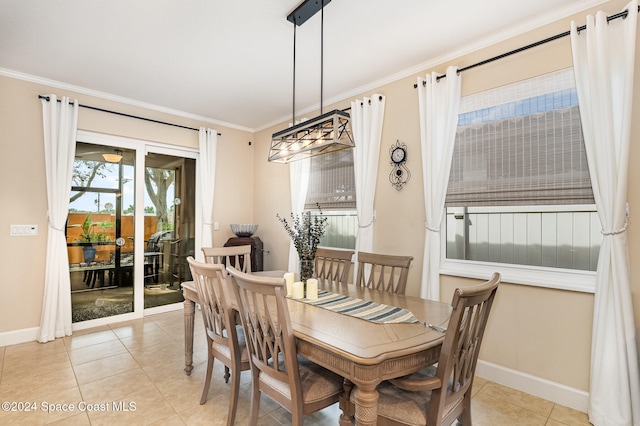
362	351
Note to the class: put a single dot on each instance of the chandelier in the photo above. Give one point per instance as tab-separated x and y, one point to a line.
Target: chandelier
325	133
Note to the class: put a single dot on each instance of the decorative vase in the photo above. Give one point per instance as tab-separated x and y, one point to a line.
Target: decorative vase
89	253
306	269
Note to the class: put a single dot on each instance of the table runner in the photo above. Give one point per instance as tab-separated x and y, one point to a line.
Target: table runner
370	311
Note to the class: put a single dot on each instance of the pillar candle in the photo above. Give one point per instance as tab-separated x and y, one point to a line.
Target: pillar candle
312	289
288	277
298	290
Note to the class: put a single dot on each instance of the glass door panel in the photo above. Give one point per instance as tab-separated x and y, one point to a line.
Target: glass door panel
100	232
169	227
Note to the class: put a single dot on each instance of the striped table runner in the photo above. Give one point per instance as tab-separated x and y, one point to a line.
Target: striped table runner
370	311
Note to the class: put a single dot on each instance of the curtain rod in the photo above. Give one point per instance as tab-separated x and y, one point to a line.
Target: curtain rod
361	103
622	14
129	115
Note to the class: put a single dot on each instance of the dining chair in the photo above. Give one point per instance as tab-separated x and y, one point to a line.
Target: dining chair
383	271
297	384
440	394
225	340
233	255
333	264
153	255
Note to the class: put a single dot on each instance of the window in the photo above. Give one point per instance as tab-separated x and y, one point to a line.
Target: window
519	189
332	187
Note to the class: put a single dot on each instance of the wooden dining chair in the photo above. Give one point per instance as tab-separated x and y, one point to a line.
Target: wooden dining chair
297	384
333	264
440	394
233	255
383	272
225	340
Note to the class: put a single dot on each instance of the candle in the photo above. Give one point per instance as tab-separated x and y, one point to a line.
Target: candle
288	277
298	290
312	289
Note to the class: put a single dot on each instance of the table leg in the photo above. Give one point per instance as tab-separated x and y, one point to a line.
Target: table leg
366	401
189	311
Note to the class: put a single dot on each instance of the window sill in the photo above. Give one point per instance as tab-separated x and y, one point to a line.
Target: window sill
560	279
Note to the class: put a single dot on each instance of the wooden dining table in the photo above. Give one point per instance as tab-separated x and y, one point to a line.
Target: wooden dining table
363	352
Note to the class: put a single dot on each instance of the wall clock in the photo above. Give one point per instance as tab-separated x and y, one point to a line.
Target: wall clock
399	173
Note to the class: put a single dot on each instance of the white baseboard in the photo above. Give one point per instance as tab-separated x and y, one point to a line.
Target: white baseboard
536	386
533	385
14	337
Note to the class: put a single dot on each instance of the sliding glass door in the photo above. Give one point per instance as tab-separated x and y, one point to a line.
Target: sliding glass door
130	228
170	224
99	232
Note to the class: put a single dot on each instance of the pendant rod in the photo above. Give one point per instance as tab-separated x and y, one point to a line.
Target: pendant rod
293	115
321	55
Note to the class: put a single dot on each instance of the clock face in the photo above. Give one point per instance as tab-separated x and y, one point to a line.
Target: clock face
398	155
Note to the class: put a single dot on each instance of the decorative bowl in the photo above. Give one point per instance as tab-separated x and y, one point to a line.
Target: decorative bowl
243	229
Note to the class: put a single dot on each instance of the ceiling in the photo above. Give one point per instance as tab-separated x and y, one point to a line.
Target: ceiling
231	61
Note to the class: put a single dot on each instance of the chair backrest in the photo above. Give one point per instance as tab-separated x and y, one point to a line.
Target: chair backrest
236	256
211	285
383	271
459	354
156	241
269	335
333	265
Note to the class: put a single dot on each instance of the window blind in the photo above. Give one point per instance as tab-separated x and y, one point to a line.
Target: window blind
521	144
332	182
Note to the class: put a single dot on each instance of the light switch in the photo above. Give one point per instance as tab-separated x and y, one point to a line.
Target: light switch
23	230
216	226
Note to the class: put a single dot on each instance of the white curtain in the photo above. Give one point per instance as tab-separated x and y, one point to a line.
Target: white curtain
439	102
603	59
60	125
299	184
208	143
366	125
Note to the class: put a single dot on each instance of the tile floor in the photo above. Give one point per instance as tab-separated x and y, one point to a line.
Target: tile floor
132	373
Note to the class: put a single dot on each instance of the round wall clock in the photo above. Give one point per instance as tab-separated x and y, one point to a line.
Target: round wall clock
398	154
400	173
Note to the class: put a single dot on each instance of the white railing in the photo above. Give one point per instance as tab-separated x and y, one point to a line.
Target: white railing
565	237
341	230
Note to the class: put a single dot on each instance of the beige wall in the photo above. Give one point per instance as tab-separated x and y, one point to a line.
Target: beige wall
538	331
24	199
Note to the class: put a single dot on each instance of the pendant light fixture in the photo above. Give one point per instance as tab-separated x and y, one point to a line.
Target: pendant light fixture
325	133
112	157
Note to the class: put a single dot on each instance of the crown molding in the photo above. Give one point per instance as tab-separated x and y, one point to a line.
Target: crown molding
120	99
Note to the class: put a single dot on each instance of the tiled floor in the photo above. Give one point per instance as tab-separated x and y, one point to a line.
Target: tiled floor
132	373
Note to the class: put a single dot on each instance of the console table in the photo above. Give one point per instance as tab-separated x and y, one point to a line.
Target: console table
257	249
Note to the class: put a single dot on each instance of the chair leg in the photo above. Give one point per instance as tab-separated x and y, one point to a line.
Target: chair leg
297	418
346	418
255	401
465	417
235	390
207	381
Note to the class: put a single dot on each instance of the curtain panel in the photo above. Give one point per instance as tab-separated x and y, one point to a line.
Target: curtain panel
208	144
299	184
439	103
367	117
603	57
60	126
